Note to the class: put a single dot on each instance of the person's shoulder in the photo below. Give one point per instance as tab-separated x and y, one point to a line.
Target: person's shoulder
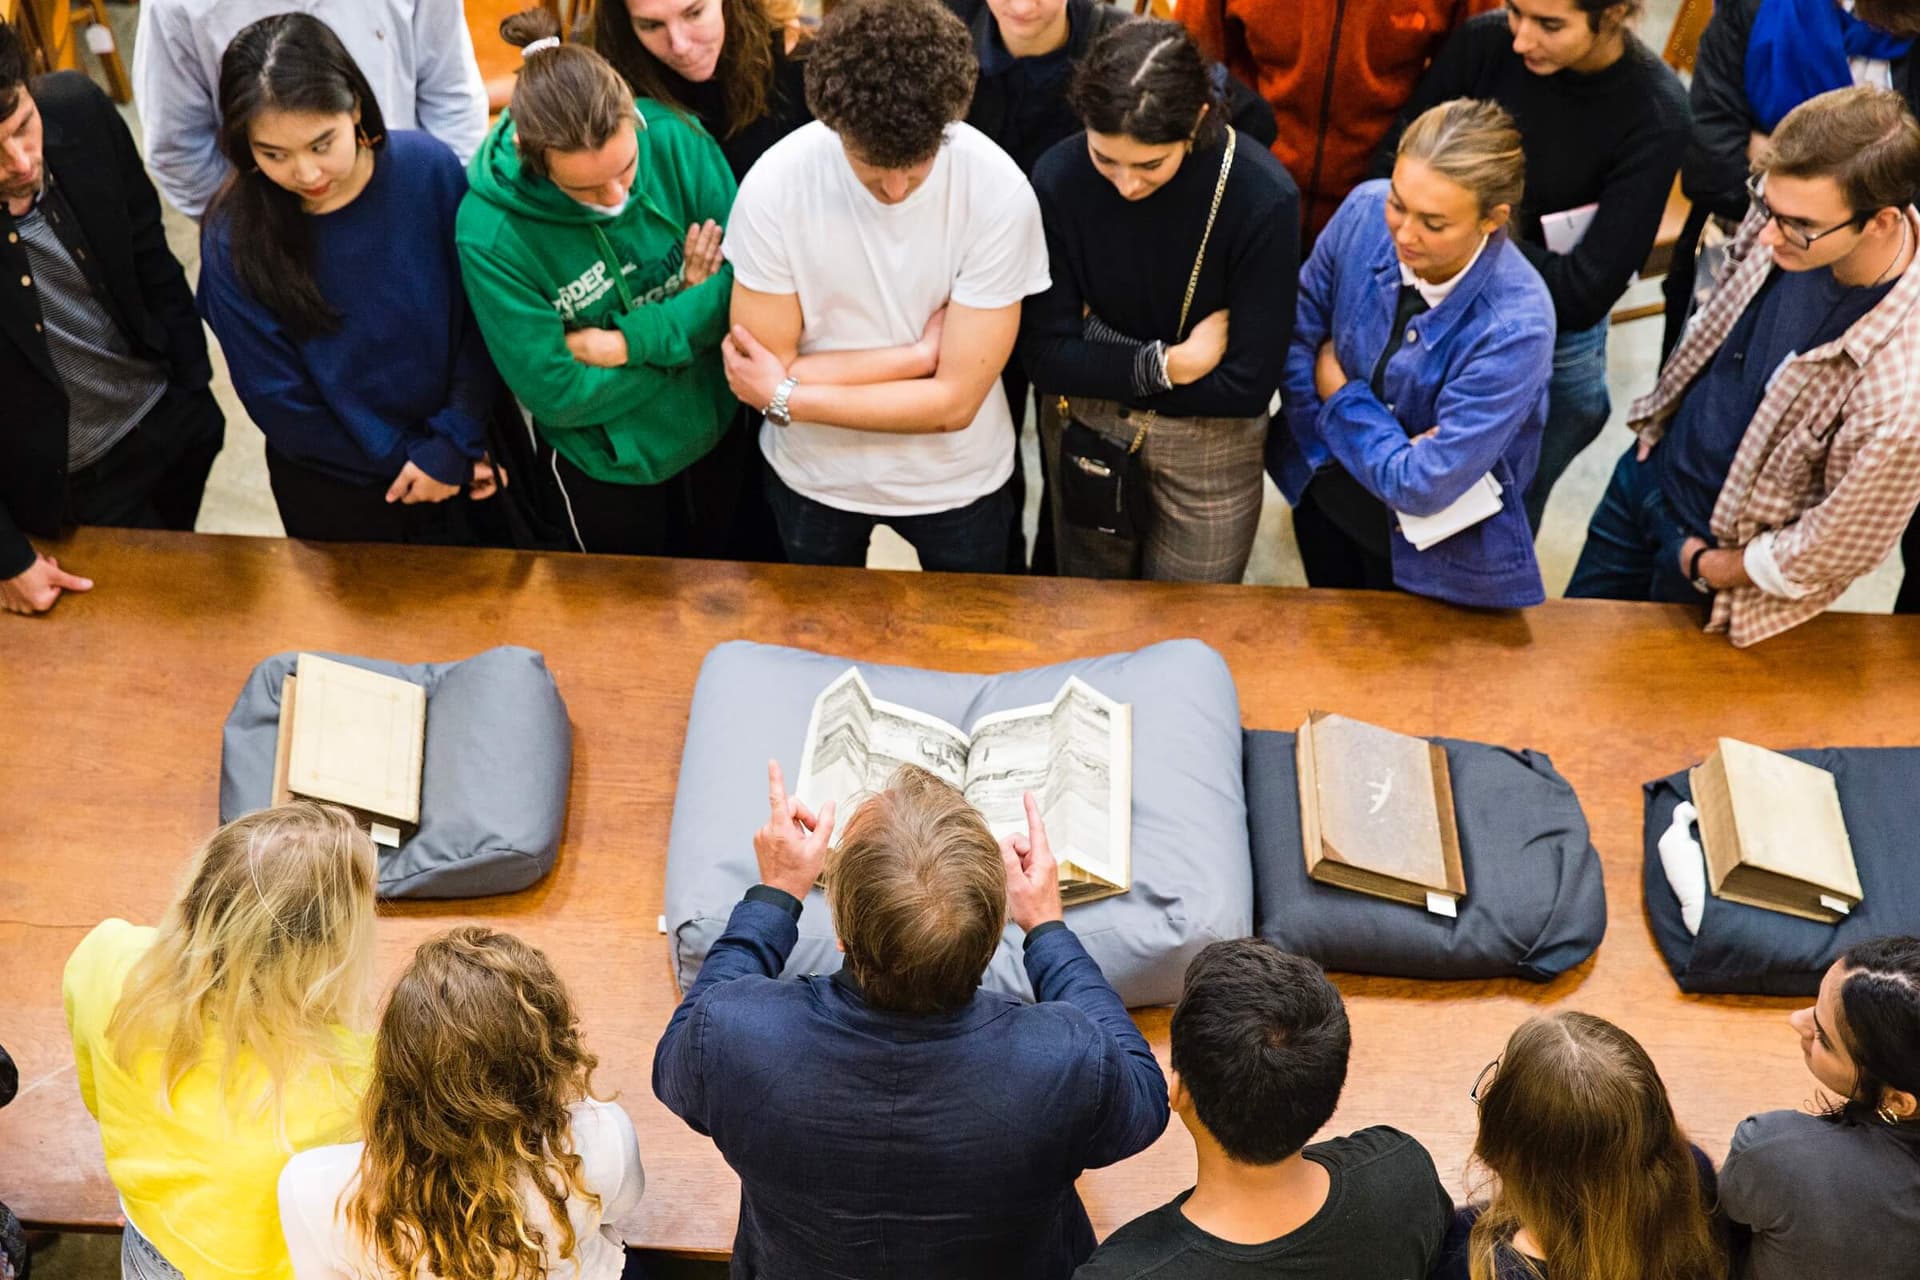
69	97
108	951
602	1133
1062	164
802	155
1265	174
1775	1135
1150	1245
417	147
1664	107
1486	33
665	126
1376	1152
318	1175
1518	296
973	151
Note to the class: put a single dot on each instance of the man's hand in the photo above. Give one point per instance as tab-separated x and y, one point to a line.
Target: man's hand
601	348
1642	449
702	251
36	587
929	344
1722	568
792	847
753	372
1033	878
1200	354
414	485
1328	376
487	480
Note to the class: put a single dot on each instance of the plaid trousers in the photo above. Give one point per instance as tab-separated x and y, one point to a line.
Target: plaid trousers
1204	482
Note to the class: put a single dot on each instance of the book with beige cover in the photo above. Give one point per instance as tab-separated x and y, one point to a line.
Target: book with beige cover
355	738
1773	833
1376	813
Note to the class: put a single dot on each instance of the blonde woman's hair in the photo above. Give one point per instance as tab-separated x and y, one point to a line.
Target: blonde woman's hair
477	1060
267	948
1474	144
1577	1130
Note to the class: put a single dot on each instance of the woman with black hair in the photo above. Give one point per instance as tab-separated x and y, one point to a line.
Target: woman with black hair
1162	223
1838	1194
329	275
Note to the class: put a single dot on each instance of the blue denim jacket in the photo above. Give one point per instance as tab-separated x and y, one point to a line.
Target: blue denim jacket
876	1144
1476	366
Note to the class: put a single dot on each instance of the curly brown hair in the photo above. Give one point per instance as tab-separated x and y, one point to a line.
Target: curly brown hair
889	76
477	1061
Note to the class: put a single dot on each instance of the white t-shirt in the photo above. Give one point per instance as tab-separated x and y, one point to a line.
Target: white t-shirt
870	275
314	1183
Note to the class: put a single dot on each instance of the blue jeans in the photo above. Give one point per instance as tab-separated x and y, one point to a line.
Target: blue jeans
139	1260
1633	542
967	539
1577	407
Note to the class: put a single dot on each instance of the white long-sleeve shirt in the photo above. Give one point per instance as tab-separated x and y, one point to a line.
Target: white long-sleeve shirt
324	1247
417	55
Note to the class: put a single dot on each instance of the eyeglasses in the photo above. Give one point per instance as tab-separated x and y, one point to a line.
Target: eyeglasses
1797	234
1481	1081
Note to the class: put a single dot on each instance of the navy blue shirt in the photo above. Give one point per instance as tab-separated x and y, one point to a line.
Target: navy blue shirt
406	375
1794	312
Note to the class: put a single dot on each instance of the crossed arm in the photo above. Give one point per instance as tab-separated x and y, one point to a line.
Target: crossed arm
935	384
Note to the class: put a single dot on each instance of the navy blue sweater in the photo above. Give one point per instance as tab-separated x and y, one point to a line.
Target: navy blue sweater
406	376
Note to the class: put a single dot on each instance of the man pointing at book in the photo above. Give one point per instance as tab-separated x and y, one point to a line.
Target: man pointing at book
893	1118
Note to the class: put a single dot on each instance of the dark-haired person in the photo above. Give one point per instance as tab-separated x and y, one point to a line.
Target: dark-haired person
108	419
486	1152
1604	124
416	54
374	400
1838	1193
1594	1176
1335	73
1416	383
590	241
1260	1046
1131	337
953	1122
880	255
1778	456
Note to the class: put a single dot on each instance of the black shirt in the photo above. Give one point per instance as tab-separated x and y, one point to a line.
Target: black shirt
786	107
1385	1216
1794	312
1128	261
1614	138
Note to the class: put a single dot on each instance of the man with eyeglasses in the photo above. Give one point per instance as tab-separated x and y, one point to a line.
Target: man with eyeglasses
1779	454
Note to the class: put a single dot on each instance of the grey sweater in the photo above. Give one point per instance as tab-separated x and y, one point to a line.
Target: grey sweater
1824	1197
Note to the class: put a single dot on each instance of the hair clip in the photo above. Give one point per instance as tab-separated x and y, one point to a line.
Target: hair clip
544	42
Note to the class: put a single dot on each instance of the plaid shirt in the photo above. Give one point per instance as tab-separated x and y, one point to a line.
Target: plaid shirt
1829	469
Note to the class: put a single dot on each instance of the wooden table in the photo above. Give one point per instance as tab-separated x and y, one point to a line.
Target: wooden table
111	710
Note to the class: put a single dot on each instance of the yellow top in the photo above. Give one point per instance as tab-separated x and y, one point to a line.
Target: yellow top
196	1174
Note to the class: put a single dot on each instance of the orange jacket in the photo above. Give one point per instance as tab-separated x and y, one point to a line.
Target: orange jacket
1336	72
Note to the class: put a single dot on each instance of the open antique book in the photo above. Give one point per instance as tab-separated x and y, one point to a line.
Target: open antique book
1075	754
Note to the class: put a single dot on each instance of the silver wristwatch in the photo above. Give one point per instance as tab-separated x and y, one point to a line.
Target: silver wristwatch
776	410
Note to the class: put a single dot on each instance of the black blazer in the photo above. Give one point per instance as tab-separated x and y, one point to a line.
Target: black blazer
120	245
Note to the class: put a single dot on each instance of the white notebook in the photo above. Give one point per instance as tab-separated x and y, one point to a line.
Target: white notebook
1480	502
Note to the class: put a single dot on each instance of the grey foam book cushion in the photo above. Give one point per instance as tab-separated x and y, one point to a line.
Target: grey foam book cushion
1752	951
1535	905
493	781
1192	883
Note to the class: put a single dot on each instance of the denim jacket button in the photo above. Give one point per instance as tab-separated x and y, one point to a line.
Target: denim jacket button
1412	335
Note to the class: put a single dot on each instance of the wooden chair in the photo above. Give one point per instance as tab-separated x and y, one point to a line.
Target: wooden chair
87	17
1683	47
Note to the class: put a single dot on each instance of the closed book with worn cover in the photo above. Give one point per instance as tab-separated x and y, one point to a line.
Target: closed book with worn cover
1376	813
354	738
1773	833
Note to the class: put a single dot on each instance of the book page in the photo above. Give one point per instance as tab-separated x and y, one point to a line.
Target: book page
357	738
855	741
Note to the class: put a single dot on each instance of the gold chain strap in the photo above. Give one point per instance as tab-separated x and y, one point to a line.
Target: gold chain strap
1193	277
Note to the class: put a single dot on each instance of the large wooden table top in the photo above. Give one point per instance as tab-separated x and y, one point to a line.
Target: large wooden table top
111	711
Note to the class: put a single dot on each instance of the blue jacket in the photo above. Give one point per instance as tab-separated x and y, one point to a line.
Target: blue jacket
1476	366
874	1144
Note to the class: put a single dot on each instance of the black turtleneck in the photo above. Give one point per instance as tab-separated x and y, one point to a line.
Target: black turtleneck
786	107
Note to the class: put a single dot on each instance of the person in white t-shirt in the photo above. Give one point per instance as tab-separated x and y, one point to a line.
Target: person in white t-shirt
880	255
478	1060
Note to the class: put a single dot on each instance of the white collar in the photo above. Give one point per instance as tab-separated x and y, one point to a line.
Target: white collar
1435	294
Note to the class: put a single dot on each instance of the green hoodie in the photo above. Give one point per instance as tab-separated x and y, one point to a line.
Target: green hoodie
538	264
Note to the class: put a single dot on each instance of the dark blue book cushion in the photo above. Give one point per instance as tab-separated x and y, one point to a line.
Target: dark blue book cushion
1753	951
1534	908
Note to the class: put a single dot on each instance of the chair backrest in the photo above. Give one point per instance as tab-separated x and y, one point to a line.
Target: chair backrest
1683	41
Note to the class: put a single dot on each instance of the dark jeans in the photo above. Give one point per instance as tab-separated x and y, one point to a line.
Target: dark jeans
730	498
1577	407
319	506
1633	542
154	477
1020	396
1330	556
968	539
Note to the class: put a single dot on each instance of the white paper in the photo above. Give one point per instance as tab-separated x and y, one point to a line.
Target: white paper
1832	903
1480	502
1562	231
384	834
99	39
1685	865
1443	904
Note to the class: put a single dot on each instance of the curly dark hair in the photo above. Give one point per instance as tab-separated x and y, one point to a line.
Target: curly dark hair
889	76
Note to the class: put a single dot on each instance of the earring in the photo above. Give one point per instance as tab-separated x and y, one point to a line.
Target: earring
1886	1114
360	136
